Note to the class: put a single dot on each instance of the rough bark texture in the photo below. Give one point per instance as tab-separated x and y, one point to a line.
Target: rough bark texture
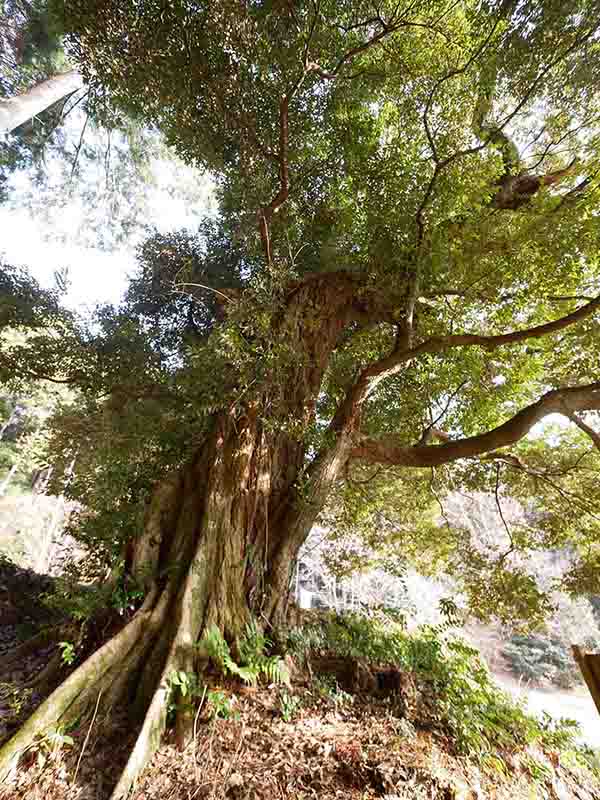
14	111
204	557
220	538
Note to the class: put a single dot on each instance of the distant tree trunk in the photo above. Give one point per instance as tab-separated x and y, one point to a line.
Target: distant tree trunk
46	544
7	480
14	111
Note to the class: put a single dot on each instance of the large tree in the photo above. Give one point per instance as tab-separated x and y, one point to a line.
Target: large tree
408	228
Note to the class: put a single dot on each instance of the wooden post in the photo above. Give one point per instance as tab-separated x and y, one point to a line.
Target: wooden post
589	664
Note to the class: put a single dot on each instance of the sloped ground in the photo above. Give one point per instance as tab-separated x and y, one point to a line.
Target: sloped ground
22	615
335	745
576	703
360	750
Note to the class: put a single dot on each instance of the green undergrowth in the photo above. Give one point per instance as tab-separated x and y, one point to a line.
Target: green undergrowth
480	718
254	663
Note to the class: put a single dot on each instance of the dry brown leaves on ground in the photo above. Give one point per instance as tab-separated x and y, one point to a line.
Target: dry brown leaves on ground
350	750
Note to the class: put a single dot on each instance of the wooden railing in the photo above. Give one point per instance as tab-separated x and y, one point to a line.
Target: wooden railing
589	664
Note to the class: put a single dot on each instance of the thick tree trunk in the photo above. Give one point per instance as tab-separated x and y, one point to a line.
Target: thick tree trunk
14	111
220	539
215	550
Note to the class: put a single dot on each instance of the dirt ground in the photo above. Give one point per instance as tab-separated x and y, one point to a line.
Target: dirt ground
327	751
343	746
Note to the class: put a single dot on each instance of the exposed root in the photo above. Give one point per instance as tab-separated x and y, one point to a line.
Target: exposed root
194	546
69	700
46	675
188	622
148	739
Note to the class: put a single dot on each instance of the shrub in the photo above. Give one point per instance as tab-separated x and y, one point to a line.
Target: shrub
540	658
221	705
350	636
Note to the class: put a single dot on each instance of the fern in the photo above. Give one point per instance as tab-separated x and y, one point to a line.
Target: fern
275	670
254	661
249	673
253	644
217	648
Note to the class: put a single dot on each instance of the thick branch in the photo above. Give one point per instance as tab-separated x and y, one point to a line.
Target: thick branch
517	190
371	376
382	451
525	186
442	164
386	28
441	343
267	212
594	436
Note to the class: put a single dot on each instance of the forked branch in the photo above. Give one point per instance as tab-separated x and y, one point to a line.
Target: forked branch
349	410
594	435
386	451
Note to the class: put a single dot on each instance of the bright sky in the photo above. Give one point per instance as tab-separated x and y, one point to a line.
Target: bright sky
175	197
94	276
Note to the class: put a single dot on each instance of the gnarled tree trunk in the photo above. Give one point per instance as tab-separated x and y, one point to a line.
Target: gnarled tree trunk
222	533
220	538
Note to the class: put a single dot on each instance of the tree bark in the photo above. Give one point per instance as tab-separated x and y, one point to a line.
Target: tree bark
219	542
208	555
14	111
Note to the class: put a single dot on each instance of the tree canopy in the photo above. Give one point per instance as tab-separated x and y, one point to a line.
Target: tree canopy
436	163
402	281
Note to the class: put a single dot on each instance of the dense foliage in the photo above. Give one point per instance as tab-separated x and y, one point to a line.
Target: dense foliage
31	50
401	282
384	145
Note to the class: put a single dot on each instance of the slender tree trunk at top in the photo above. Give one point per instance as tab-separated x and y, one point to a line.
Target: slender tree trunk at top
14	111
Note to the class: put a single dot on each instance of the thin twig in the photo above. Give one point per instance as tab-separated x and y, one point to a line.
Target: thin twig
438	500
78	149
203	286
195	731
107	159
580	501
511	549
444	411
235	755
594	435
